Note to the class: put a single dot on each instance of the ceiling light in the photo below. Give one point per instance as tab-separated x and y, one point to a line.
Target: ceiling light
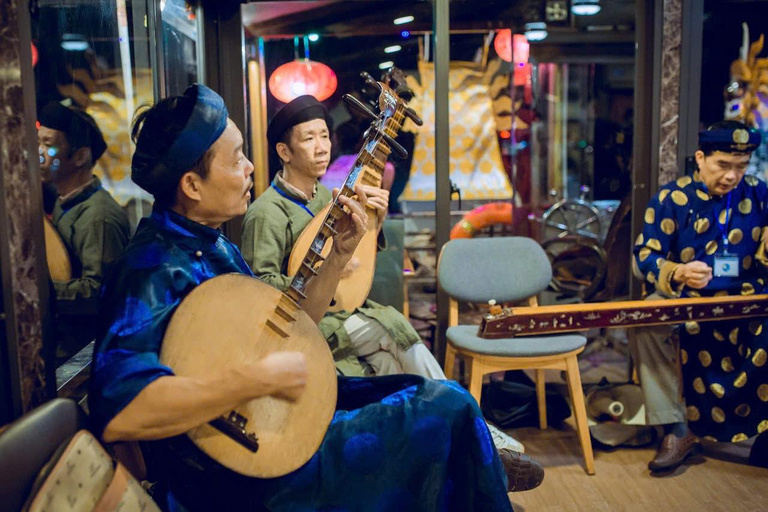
403	20
313	37
585	7
536	31
74	43
386	65
393	49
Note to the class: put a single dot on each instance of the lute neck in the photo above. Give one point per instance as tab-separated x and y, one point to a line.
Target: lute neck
368	169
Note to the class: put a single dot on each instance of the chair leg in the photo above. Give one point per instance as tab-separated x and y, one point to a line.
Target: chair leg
450	361
541	398
475	378
580	412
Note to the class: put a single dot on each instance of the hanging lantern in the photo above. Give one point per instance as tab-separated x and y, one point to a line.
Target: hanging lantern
300	77
508	46
35	55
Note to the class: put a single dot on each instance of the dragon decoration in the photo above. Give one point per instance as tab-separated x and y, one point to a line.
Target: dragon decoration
746	97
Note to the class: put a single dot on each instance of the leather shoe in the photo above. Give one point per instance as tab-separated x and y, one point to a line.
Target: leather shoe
523	472
673	452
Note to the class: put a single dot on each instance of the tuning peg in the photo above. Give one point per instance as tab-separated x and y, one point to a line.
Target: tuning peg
370	80
359	106
494	309
413	116
397	149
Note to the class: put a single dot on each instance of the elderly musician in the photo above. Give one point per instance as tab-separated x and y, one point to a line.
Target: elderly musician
398	442
705	235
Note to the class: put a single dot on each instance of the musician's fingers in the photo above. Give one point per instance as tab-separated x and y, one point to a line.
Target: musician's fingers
372	192
701	273
698	266
335	192
697	285
355	207
362	197
377	203
361	222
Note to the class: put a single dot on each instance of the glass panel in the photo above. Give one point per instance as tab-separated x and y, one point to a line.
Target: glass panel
179	45
350	37
94	57
732	86
548	143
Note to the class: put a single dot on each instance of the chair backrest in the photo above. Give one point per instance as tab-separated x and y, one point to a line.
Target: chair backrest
27	444
506	269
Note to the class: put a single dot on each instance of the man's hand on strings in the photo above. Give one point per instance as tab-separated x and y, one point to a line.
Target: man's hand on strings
378	199
351	227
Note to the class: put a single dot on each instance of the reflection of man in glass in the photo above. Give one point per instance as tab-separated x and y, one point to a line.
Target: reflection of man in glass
92	225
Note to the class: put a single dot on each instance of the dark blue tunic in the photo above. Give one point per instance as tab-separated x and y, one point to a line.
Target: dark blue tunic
724	363
399	443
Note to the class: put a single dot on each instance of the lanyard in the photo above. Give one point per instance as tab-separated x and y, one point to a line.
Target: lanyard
302	205
724	228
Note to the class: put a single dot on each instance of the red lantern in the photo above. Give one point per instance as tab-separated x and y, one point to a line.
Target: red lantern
300	77
505	44
35	56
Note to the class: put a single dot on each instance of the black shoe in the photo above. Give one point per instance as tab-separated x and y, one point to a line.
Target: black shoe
523	472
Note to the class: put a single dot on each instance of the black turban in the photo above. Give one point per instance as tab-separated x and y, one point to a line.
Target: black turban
159	172
79	128
300	110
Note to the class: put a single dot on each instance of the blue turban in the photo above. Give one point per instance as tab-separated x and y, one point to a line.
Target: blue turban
736	139
160	173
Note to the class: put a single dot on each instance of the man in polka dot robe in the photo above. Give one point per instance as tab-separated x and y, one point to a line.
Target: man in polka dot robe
705	236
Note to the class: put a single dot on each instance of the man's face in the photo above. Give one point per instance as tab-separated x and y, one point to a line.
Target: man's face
55	155
722	172
309	151
226	192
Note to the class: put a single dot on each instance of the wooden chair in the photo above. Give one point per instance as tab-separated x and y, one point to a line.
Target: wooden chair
508	269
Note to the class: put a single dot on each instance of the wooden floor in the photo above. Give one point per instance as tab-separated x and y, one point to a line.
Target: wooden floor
623	483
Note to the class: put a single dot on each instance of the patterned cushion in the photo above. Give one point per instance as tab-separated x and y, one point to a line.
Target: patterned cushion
83	478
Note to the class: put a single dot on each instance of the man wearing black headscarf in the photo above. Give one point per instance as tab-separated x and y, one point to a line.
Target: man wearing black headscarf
94	228
394	443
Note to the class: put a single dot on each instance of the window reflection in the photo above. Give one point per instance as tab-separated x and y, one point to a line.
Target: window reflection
92	65
179	45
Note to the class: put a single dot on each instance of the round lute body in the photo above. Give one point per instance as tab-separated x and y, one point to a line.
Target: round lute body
235	318
59	265
353	288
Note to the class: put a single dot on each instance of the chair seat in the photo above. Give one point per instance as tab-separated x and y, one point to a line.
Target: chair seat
465	337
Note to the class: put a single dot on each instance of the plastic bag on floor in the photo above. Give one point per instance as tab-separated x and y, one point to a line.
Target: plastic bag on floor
511	403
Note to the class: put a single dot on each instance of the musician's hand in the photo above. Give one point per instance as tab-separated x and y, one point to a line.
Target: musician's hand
351	227
695	274
352	265
378	199
287	374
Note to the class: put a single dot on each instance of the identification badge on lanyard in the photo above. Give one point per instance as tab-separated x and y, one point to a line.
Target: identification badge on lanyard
726	264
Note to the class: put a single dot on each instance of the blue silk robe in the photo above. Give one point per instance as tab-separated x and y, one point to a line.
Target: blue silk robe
725	374
395	443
